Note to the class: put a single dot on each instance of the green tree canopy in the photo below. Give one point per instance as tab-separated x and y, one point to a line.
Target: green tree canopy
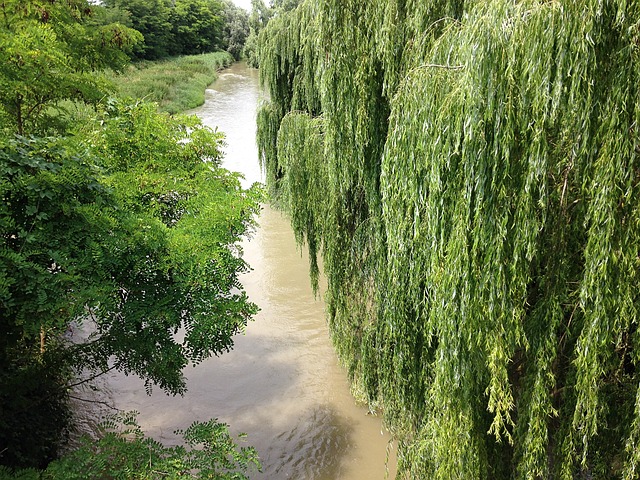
50	53
152	18
177	27
197	25
236	29
118	239
129	235
469	173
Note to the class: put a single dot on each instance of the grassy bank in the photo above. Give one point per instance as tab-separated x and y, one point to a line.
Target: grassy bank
176	84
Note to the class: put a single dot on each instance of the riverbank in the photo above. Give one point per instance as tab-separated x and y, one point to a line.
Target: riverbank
176	84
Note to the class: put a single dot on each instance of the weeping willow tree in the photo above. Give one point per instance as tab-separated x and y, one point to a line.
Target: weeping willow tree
469	173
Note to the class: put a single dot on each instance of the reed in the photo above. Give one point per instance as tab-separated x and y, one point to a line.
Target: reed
176	84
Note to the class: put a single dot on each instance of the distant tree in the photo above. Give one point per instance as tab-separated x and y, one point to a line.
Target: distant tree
197	26
284	5
250	49
152	18
260	15
258	19
236	29
175	27
103	15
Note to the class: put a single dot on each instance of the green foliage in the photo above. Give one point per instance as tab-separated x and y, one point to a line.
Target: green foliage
131	232
260	16
250	50
236	29
469	171
180	27
54	211
123	451
165	171
258	19
53	222
125	231
49	54
306	176
175	85
197	26
152	18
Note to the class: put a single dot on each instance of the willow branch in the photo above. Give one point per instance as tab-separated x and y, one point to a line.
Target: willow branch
437	65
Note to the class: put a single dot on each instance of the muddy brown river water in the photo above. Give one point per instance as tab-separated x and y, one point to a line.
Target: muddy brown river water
281	384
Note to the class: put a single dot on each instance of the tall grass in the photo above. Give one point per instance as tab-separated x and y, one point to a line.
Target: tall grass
176	84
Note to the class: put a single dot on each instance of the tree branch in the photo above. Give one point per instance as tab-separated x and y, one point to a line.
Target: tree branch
99	402
93	377
437	65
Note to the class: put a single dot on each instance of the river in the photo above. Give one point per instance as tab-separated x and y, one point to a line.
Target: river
281	384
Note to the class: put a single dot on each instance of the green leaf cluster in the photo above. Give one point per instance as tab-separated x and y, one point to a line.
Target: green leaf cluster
127	232
49	53
123	451
260	16
118	243
236	29
469	173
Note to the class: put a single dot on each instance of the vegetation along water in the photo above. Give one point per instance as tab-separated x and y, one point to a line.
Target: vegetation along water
281	383
469	173
465	174
115	220
176	84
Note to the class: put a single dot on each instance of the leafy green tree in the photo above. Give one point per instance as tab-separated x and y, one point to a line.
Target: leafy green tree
50	54
132	237
250	49
260	15
152	18
103	15
179	27
236	29
258	19
168	168
283	6
54	214
469	173
197	26
125	231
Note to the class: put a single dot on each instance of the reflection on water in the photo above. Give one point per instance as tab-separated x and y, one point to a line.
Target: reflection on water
281	384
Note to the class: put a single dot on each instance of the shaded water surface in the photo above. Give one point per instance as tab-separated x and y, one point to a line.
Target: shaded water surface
281	384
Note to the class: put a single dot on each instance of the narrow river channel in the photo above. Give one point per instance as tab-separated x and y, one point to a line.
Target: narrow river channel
281	384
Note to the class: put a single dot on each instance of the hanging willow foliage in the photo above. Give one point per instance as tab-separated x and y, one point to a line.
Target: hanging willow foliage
470	173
